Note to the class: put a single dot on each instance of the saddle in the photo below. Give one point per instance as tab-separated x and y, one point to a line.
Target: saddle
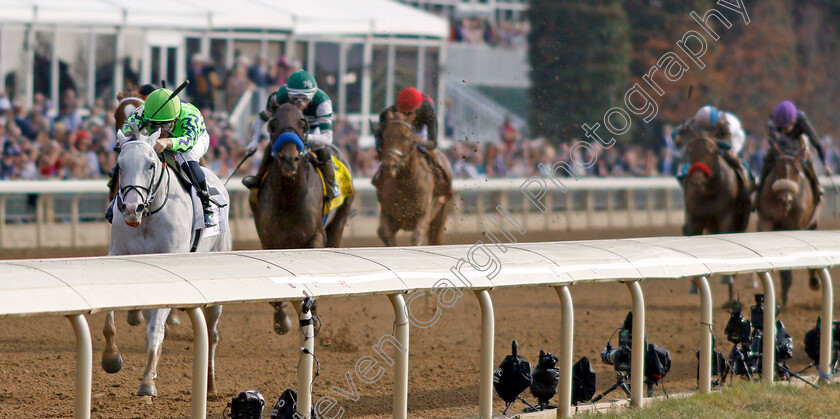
342	178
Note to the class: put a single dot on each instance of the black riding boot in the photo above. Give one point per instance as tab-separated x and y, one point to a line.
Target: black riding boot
815	180
200	184
333	191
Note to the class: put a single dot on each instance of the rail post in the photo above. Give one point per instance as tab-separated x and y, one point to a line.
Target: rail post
768	364
488	325
826	329
304	375
84	366
706	324
567	334
401	362
198	407
637	360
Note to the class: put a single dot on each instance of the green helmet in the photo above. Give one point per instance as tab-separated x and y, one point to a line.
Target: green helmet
158	109
302	83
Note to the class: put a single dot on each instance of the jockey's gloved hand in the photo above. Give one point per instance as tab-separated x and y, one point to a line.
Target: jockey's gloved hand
256	131
252	146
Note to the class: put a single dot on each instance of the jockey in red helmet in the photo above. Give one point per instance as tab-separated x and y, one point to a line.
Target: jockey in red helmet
416	108
789	126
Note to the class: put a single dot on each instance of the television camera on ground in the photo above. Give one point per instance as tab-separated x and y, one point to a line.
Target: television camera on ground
812	348
745	359
657	360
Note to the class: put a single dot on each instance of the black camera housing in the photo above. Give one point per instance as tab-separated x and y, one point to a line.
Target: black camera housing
757	312
738	328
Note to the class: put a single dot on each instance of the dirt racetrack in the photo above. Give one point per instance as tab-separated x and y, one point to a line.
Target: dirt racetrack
37	355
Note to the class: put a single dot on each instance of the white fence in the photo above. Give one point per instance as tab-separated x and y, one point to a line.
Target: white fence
36	214
78	287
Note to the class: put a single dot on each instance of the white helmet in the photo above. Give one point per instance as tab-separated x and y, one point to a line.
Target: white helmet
706	117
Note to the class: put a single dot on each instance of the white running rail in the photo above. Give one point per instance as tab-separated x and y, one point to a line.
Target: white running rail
77	287
71	213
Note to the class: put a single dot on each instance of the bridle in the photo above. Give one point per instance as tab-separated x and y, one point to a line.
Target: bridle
398	156
148	194
715	150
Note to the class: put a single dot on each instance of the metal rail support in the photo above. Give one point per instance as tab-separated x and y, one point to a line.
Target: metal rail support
567	334
706	322
201	348
84	366
826	326
488	326
637	361
401	362
768	357
304	377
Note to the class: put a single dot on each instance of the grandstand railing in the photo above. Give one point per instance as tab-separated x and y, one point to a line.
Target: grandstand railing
477	118
78	287
37	214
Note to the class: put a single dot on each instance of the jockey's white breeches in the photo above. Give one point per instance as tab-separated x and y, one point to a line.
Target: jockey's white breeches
199	149
736	131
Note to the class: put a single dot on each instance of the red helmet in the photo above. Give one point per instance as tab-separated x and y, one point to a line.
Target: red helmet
409	100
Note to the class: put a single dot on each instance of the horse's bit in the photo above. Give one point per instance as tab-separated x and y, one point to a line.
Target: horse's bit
147	194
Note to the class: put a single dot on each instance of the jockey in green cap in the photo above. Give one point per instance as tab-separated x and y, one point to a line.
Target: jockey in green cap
183	132
302	91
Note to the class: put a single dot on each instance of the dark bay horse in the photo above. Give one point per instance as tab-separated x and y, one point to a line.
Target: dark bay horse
289	201
786	201
411	197
716	200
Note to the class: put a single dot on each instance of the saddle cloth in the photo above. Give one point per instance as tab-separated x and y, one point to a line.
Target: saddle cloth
221	213
174	163
344	181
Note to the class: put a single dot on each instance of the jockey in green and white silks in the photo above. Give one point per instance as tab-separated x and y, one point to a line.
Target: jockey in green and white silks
302	91
182	132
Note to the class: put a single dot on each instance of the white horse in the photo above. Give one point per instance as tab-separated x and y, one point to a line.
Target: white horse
154	214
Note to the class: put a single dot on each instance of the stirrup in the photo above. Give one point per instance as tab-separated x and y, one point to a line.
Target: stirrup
333	191
210	218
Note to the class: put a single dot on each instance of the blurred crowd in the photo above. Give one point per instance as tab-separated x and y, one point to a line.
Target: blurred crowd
498	34
74	142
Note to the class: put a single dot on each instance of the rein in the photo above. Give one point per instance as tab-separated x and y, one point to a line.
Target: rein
398	155
150	191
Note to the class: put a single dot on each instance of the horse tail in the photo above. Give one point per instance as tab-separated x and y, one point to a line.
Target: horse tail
785	185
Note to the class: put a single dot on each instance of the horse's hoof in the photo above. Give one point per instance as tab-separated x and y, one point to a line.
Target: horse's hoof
173	319
814	283
147	389
112	364
282	323
693	289
134	317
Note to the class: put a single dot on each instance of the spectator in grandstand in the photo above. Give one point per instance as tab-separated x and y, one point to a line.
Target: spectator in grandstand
258	73
509	134
237	83
203	82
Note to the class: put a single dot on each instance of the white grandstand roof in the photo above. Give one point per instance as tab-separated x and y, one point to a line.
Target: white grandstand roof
310	17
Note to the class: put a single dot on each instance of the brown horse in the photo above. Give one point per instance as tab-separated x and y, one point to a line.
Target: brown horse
786	201
288	204
411	196
716	200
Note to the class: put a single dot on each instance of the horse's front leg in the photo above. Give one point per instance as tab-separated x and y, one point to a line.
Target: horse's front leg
387	233
211	317
111	360
421	229
155	331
